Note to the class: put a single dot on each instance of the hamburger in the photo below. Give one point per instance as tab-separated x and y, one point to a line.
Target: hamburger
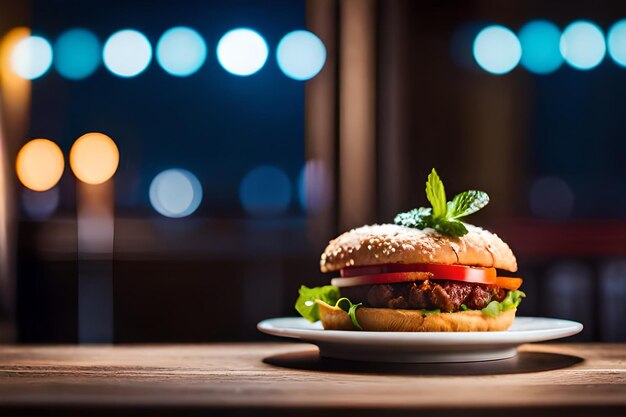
427	272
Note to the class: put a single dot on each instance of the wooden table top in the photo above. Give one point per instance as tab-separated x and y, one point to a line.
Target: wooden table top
290	379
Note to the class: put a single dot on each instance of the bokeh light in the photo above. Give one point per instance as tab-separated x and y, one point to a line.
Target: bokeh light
127	53
242	51
582	45
314	187
551	198
40	164
612	308
77	54
181	51
616	40
15	89
31	57
301	55
39	205
497	50
265	191
175	193
94	158
566	283
540	46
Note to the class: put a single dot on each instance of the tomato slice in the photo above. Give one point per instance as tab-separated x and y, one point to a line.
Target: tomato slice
389	278
439	271
509	283
390	273
393	273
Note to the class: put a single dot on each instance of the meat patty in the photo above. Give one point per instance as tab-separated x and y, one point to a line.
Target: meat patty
429	294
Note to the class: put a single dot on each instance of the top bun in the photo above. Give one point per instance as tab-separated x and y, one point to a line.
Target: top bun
390	243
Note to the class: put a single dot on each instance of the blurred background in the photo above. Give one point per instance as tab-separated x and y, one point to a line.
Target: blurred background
223	143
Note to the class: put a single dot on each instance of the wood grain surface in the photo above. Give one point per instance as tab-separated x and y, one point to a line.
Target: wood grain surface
290	379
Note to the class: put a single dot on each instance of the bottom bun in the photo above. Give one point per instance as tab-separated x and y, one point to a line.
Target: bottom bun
391	320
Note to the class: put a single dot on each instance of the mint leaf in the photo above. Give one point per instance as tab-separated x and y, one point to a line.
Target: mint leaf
347	306
419	218
305	304
451	228
443	216
466	203
436	194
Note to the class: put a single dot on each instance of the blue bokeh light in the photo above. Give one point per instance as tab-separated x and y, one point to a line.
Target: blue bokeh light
301	55
127	53
242	51
314	187
540	46
551	198
497	50
39	205
181	51
582	45
77	54
32	57
175	193
616	40
265	191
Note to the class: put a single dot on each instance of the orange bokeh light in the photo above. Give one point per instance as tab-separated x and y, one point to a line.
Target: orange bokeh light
94	158
40	164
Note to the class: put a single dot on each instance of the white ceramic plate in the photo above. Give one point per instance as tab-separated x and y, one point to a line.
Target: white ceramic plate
425	347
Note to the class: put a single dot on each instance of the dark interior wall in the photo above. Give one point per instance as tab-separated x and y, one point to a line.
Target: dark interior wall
218	126
433	108
499	133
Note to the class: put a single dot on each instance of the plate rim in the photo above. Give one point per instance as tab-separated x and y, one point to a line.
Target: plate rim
569	328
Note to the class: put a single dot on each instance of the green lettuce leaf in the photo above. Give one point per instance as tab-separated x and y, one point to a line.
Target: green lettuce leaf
492	309
305	304
347	306
429	312
511	301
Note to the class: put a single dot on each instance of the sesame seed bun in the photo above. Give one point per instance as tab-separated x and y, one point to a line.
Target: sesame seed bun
391	320
390	243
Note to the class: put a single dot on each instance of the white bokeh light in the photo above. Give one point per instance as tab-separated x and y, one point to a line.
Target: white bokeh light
242	51
582	45
181	51
127	53
616	41
32	57
301	55
175	193
497	50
